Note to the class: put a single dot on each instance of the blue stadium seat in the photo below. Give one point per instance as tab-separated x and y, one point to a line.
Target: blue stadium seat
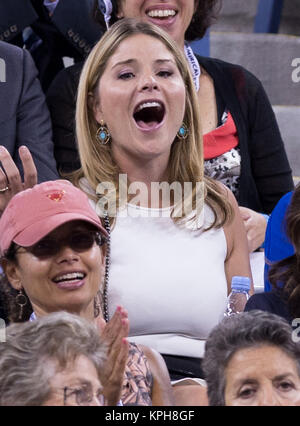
202	47
268	16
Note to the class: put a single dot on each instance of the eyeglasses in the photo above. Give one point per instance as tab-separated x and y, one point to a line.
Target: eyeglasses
79	241
83	395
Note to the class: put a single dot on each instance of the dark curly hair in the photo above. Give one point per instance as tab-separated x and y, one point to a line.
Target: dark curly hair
285	274
206	14
11	308
8	294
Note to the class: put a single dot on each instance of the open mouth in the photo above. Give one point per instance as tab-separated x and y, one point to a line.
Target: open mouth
69	280
162	14
149	115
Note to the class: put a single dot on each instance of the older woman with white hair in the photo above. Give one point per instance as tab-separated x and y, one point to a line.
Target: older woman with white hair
56	360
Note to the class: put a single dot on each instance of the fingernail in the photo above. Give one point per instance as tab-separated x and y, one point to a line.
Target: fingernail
3	150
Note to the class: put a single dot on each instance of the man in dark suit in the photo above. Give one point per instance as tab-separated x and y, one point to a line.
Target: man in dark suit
59	28
24	116
15	15
24	119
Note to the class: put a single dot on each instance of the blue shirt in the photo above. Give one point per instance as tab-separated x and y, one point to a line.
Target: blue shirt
277	244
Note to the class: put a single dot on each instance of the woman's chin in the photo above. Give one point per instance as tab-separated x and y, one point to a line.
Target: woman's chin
73	301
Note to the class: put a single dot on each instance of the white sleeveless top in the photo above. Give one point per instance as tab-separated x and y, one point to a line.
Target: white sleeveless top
171	279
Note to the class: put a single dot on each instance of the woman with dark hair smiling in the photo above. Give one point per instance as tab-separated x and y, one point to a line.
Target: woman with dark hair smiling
53	253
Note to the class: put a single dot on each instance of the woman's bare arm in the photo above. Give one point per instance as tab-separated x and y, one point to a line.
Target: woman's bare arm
162	393
237	261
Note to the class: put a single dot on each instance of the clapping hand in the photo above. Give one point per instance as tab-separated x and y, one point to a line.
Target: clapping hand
10	178
114	334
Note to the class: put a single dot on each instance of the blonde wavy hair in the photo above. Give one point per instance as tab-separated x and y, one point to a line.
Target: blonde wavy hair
186	162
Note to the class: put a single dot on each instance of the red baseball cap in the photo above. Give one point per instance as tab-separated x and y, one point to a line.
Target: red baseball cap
32	214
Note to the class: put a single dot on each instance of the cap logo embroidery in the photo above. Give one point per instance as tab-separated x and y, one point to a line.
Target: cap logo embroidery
56	196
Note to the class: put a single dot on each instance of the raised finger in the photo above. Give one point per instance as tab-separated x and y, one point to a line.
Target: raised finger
30	172
121	330
116	345
5	193
11	171
112	328
123	312
3	182
100	324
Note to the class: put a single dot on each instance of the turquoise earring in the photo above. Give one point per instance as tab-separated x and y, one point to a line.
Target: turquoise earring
103	135
183	132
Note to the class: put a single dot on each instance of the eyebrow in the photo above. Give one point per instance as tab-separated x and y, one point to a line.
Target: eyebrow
249	381
283	376
243	382
83	382
130	61
79	381
87	382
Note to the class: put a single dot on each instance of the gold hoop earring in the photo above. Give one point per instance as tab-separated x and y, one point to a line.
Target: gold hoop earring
183	132
103	135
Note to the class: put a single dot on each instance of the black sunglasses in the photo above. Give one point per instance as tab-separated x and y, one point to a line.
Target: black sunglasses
80	241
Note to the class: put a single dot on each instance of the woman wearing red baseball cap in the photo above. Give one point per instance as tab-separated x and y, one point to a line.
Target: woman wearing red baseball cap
53	249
